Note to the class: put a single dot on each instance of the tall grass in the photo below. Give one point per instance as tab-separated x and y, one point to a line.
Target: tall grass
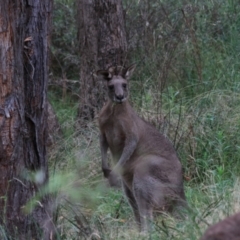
187	85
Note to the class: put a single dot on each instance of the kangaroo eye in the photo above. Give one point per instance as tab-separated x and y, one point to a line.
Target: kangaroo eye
124	85
110	87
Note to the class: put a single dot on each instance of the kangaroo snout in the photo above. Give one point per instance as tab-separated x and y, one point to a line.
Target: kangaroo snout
119	97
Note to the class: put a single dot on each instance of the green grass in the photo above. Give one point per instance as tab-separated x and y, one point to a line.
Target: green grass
212	189
191	92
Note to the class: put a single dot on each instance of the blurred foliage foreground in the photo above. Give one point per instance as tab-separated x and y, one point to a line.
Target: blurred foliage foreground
186	84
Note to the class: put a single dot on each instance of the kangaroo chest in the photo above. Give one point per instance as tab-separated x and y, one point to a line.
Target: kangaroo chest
115	137
116	123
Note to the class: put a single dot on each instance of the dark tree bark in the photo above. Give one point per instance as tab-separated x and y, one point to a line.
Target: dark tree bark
103	43
24	29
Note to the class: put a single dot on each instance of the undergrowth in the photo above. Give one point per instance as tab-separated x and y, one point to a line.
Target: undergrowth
89	209
187	85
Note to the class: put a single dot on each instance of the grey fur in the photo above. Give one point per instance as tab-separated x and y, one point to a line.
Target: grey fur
150	170
227	229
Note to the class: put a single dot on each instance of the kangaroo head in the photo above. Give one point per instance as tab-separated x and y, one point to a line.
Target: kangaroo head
117	82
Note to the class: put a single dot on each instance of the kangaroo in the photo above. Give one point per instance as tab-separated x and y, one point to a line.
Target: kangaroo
227	229
150	170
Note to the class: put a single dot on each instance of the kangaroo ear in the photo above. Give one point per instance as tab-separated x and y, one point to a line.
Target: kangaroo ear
106	75
129	71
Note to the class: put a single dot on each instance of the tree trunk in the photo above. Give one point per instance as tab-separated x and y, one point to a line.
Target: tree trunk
24	28
103	43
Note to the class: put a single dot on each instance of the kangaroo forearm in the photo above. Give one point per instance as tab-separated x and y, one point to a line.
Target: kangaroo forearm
104	163
128	150
104	148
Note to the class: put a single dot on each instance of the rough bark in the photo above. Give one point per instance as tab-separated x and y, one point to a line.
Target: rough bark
24	27
103	43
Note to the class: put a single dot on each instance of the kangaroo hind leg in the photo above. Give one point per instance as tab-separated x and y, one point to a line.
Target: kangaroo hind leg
143	196
133	204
